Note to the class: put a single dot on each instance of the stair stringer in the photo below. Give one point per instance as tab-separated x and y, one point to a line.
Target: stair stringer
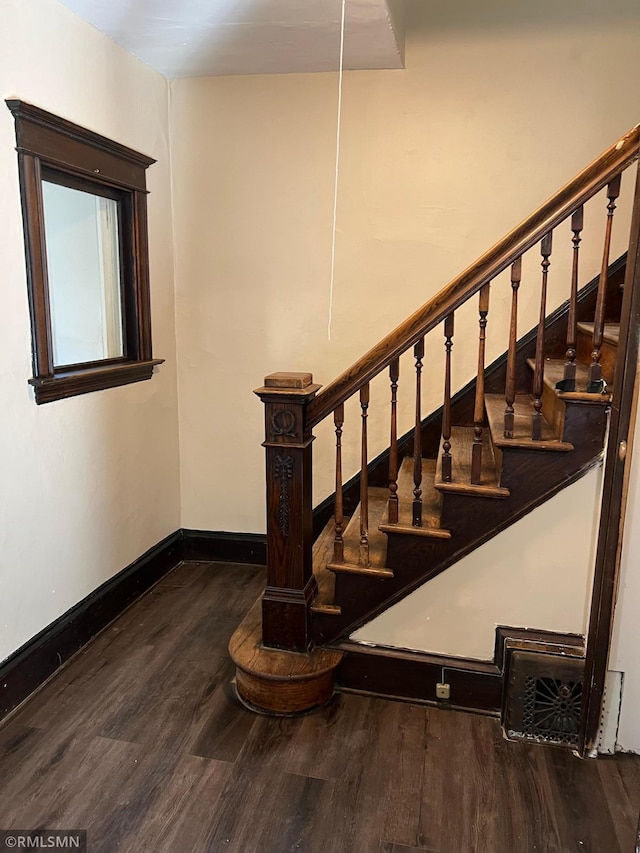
532	476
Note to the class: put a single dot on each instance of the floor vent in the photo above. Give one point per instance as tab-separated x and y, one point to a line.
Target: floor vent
544	695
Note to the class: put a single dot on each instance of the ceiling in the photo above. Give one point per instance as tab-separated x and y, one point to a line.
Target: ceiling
203	38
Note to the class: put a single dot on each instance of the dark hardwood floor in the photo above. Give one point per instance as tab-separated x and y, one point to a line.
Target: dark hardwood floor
141	741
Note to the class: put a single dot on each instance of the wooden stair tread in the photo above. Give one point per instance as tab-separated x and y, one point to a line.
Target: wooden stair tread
377	540
360	569
611	331
554	373
326	609
322	555
431	503
522	409
461	444
415	530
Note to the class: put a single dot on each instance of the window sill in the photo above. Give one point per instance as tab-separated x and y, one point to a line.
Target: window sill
74	382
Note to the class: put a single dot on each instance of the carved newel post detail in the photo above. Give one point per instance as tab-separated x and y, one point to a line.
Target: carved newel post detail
291	585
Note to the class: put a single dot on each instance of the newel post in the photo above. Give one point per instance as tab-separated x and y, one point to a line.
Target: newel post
291	585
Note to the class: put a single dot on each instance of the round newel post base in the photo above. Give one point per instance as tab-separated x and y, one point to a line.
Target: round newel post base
274	681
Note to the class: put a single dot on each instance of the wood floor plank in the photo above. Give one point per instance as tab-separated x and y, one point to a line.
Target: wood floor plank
329	742
469	781
162	708
522	781
620	778
76	697
43	789
263	813
406	738
225	725
585	822
350	812
174	814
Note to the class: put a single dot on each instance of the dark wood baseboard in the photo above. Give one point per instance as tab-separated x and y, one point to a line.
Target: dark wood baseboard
213	545
527	639
412	676
30	666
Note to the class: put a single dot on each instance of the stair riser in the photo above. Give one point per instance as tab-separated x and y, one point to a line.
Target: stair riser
585	425
350	589
553	410
608	351
536	470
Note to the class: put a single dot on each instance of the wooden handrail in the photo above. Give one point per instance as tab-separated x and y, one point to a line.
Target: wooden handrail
579	190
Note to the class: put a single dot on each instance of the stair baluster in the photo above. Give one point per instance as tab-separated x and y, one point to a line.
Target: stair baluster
478	410
446	410
394	374
510	391
596	384
364	481
569	383
338	542
538	376
418	352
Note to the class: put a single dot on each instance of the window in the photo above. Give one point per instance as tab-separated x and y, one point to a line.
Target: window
84	205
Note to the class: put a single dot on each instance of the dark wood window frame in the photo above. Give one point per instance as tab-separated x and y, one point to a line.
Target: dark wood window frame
60	151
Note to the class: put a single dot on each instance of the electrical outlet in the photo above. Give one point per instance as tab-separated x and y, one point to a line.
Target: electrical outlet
443	691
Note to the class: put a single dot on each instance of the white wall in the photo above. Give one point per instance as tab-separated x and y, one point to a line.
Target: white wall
625	645
525	578
88	484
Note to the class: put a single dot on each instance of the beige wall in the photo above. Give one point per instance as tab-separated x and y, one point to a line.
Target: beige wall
525	577
88	484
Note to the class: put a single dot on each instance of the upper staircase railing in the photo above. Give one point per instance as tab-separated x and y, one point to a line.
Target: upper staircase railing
293	407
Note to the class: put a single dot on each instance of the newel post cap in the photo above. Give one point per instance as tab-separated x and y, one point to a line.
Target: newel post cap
289	384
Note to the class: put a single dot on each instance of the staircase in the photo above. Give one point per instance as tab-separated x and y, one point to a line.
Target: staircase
528	425
409	545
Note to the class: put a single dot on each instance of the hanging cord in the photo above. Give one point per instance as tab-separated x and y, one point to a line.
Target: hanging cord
335	188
